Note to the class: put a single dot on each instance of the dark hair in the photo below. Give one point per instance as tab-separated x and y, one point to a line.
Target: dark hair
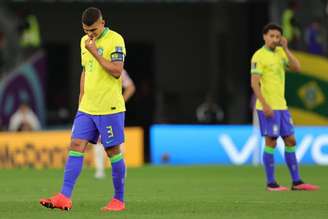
272	26
91	15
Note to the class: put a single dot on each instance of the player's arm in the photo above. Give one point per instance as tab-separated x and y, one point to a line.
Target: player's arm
113	68
81	86
293	63
128	86
129	91
255	84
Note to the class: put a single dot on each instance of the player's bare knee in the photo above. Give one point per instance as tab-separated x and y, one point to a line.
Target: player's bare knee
112	151
271	141
77	145
290	141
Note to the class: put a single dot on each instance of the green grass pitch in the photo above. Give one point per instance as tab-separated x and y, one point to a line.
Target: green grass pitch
168	192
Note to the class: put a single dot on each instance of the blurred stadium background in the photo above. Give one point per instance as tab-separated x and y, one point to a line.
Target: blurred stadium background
190	61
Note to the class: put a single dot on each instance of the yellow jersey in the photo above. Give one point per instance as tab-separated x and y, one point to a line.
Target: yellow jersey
102	91
271	65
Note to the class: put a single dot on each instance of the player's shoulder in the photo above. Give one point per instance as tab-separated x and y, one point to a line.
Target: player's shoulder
84	38
258	53
114	35
280	50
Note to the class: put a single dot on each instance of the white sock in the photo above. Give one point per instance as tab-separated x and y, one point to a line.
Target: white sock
99	160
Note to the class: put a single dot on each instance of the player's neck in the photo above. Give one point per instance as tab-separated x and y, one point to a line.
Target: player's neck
269	48
103	32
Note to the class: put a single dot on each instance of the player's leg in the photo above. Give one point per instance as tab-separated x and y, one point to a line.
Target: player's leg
287	131
268	159
73	165
98	151
118	177
269	127
291	160
290	157
84	131
111	128
72	171
269	165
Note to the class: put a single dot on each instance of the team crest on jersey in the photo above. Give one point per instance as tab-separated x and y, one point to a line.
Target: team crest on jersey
100	51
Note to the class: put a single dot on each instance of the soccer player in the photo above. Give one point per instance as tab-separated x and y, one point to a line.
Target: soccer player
128	90
101	109
268	83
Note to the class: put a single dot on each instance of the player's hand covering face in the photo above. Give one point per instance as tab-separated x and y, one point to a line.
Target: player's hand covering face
272	39
283	42
90	45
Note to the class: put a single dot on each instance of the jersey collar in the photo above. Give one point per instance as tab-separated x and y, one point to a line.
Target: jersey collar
105	31
268	49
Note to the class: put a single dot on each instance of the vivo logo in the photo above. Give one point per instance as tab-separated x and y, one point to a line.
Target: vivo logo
308	143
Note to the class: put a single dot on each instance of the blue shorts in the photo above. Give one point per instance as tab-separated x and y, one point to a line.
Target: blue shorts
110	128
280	124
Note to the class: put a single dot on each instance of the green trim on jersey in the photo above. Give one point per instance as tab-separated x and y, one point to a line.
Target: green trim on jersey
105	31
268	49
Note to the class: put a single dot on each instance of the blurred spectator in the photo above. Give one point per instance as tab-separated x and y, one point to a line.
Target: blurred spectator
209	111
9	46
314	38
24	119
291	27
30	39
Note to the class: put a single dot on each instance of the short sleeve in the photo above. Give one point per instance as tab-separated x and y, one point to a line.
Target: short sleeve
256	66
118	51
